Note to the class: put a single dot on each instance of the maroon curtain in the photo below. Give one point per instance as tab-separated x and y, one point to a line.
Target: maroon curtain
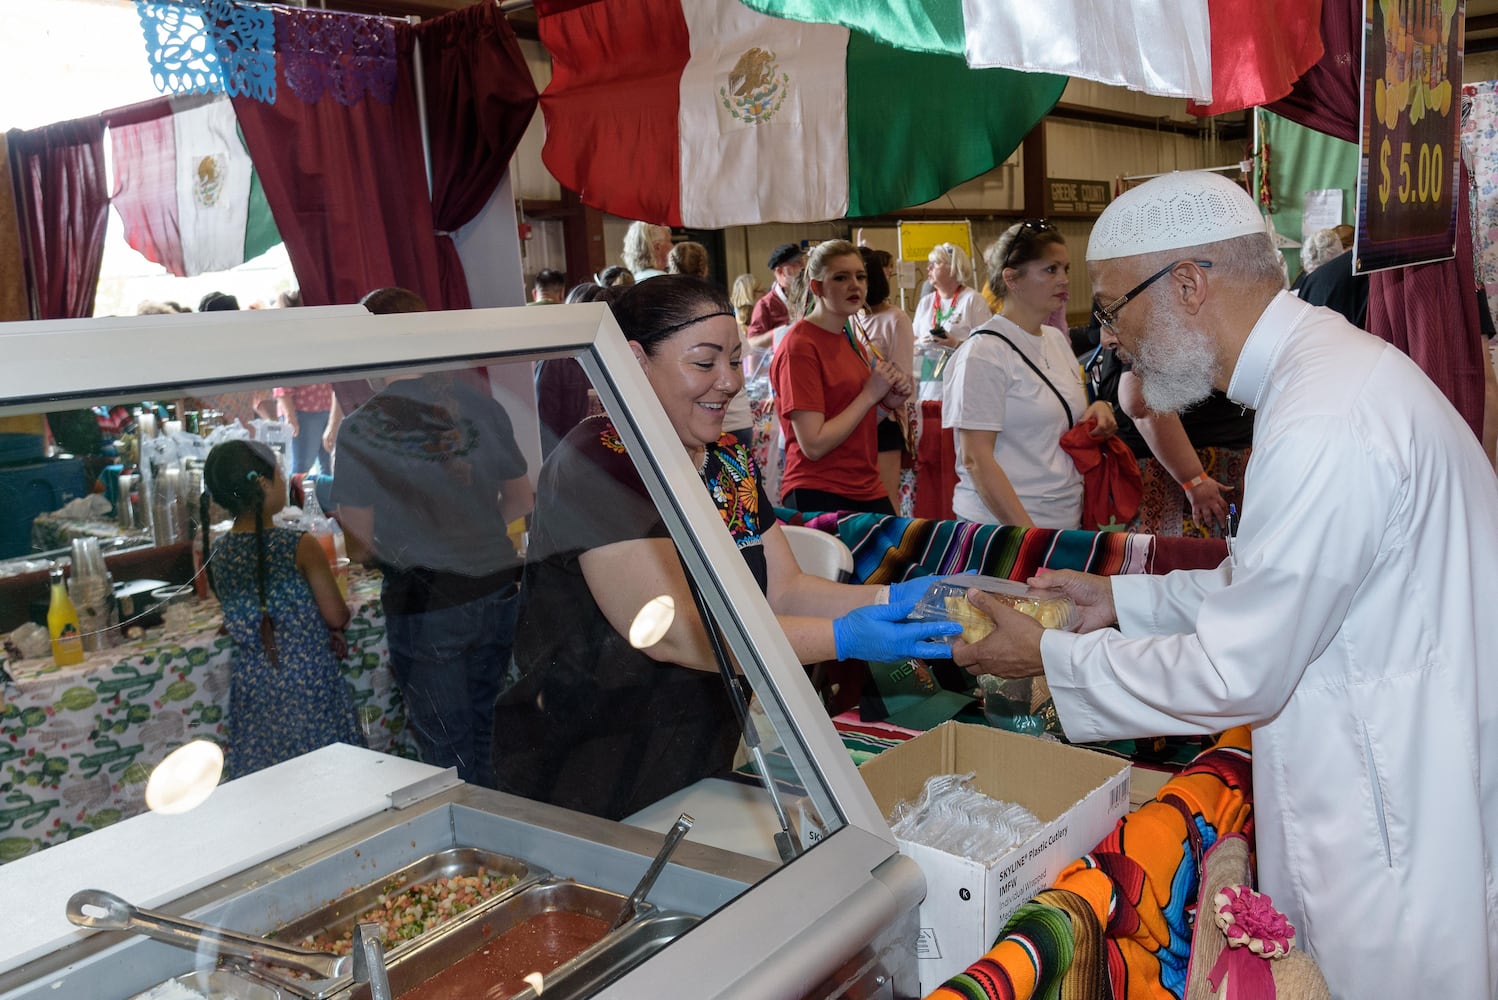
479	99
1328	97
347	184
62	204
1428	310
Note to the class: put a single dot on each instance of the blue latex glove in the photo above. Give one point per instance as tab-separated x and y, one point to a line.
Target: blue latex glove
914	589
910	591
880	634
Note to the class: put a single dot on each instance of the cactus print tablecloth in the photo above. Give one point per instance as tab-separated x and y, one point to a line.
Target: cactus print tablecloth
77	743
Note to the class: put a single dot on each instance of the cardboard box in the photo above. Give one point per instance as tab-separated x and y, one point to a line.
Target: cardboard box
1078	794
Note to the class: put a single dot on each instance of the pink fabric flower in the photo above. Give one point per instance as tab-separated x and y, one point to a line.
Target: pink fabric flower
1249	919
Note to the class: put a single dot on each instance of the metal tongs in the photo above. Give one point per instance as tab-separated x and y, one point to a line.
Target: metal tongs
369	962
632	904
118	915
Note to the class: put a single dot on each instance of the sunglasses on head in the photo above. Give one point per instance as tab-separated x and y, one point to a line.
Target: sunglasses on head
1028	229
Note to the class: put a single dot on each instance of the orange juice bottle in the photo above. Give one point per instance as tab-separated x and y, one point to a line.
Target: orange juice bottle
324	536
62	624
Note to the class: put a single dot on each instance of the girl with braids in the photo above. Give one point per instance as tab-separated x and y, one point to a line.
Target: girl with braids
829	382
280	602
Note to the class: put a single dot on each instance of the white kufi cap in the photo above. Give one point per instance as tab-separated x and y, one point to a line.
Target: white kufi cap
1180	209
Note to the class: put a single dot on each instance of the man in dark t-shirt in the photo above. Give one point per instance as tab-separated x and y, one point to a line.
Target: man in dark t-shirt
428	478
1335	286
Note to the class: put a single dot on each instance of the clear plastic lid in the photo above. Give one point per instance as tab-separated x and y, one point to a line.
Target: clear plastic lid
946	600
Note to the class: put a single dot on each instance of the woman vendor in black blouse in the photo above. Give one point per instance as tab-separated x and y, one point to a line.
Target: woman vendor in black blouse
592	723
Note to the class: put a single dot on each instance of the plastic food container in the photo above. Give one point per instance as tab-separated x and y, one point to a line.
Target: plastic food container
946	600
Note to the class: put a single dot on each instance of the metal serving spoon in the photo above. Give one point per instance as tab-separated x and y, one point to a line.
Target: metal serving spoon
118	915
673	837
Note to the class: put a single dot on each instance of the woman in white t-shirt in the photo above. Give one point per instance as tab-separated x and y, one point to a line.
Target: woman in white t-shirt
1013	388
945	315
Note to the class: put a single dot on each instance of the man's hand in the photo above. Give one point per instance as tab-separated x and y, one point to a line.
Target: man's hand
1093	595
1107	424
1209	507
1012	649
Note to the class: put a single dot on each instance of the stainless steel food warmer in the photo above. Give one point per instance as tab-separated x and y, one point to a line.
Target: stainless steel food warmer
787	888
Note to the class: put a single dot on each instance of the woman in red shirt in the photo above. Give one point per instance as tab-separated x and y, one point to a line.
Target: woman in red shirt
828	383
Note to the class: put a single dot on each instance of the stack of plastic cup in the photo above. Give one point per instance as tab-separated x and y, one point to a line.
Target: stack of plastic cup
92	590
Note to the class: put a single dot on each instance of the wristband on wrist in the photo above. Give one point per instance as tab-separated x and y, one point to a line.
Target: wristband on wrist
1194	483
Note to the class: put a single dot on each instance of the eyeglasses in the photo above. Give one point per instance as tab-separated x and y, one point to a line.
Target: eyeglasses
1108	315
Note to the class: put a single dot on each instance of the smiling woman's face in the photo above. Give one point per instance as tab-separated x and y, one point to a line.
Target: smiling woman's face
695	372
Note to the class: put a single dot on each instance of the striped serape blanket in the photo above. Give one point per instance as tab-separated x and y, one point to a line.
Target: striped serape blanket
1051	949
887	549
1140	884
864	740
861	739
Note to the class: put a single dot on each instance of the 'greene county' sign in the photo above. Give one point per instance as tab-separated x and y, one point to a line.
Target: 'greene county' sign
1089	197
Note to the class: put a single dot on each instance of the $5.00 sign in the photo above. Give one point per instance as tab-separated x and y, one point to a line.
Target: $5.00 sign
1412	73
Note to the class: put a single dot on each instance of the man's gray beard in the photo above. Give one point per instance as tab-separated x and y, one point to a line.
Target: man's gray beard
1176	365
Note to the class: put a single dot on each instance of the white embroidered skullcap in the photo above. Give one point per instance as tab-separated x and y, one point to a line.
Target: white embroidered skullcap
1180	209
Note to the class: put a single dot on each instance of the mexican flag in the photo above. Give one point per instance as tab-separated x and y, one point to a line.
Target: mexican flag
186	190
1223	55
705	113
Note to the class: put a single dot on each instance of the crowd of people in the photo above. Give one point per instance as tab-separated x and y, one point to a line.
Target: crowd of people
1345	625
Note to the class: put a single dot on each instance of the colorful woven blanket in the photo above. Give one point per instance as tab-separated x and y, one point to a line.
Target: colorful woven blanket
1140	884
887	549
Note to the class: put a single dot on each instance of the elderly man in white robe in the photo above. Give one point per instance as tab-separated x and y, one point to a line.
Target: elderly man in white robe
1353	624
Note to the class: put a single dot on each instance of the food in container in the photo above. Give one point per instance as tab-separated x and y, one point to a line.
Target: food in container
407	903
946	600
215	984
548	933
172	989
408	911
535	946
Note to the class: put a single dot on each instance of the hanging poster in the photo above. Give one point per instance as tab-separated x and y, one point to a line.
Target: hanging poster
918	238
1407	181
1320	210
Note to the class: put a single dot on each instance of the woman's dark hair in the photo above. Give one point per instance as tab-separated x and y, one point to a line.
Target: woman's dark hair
218	302
589	292
649	312
616	276
382	301
1017	246
234	475
874	262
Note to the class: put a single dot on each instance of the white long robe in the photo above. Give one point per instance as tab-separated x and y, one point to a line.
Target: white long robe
1355	626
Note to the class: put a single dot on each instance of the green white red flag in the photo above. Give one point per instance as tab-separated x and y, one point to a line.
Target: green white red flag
1222	55
705	113
186	190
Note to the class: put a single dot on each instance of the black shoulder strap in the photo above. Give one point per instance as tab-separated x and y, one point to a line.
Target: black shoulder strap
1026	359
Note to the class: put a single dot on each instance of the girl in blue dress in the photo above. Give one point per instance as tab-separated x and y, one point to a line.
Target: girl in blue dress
282	608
